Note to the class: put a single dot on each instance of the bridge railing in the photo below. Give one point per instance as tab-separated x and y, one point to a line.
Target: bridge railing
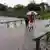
14	23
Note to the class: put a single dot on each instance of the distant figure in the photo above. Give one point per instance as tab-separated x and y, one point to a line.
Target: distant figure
31	15
26	21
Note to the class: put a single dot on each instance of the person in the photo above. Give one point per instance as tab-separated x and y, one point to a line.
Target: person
31	16
26	21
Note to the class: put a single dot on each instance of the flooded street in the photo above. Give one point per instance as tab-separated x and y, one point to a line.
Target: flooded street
17	38
11	39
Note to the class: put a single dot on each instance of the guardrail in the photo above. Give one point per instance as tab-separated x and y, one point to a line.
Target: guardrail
14	22
11	21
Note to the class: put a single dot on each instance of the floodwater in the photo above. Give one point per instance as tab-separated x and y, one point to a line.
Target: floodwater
11	38
16	38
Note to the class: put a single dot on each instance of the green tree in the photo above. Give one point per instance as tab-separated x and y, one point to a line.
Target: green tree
33	6
3	7
19	6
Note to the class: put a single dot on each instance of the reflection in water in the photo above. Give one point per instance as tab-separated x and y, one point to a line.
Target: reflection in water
15	24
23	22
18	23
11	25
11	39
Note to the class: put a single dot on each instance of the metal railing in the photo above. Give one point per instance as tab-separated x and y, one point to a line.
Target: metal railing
14	22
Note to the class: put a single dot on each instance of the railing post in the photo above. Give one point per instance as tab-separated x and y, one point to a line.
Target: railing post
7	24
15	24
37	44
21	21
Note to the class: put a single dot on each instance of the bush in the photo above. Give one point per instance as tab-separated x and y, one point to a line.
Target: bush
45	15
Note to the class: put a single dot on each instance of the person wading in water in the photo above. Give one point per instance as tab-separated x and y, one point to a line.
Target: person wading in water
30	17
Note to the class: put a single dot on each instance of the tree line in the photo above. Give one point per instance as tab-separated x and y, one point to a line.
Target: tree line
20	10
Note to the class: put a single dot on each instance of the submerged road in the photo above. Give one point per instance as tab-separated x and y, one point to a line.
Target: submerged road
11	38
17	38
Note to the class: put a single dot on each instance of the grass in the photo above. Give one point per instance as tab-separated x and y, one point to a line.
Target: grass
45	15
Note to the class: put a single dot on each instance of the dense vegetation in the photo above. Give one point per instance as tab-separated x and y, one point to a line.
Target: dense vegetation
21	10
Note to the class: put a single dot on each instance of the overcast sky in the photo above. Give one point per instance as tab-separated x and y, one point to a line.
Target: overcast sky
24	2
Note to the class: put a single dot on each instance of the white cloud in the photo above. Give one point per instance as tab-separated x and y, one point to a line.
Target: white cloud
48	2
14	2
24	2
39	1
